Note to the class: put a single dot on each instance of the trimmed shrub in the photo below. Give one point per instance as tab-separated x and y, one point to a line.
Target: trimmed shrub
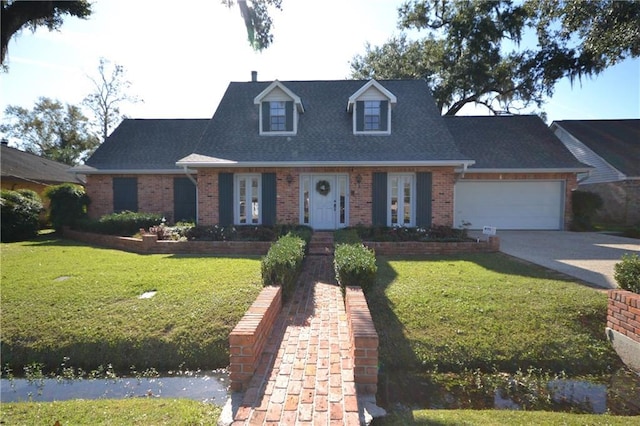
585	204
355	265
627	273
123	224
283	262
20	211
68	204
401	233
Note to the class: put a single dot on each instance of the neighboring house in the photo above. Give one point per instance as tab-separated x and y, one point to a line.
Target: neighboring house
612	148
331	154
23	170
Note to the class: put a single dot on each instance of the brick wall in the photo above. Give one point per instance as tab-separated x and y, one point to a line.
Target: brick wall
364	341
417	247
249	336
150	245
623	313
155	194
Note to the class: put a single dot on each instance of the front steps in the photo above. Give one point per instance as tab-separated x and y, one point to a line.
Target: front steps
321	244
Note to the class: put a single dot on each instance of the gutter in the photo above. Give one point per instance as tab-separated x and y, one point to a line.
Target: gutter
235	164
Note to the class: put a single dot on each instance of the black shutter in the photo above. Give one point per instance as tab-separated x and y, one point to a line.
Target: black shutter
423	200
225	198
384	114
379	199
125	194
184	200
269	198
266	117
288	116
359	116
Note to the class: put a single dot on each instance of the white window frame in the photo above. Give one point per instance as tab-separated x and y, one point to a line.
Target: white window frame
248	198
404	177
279	106
370	106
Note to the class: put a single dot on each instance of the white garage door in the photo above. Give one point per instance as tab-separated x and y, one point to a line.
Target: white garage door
509	204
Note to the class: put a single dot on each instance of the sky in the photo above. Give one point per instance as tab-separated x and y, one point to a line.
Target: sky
181	56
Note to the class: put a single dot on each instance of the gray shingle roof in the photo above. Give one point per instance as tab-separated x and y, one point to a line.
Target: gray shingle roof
148	144
16	164
510	142
325	129
616	141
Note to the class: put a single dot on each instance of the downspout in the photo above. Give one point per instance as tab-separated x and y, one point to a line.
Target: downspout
195	182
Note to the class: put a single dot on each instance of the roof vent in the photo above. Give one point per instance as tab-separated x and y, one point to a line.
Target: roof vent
254	76
4	141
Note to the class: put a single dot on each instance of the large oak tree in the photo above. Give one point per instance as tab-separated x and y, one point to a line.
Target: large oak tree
52	130
474	50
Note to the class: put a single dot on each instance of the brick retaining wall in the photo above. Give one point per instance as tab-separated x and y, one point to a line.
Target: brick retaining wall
150	244
364	341
623	313
249	336
420	248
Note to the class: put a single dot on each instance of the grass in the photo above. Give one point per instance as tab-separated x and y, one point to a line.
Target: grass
501	417
62	299
487	312
138	411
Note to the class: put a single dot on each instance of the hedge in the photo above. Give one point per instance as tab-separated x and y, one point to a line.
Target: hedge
355	265
283	262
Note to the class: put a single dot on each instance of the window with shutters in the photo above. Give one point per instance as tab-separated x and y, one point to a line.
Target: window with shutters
401	202
372	117
247	194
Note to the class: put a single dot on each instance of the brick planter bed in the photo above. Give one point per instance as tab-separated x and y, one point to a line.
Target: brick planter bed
149	244
420	248
623	326
248	338
364	341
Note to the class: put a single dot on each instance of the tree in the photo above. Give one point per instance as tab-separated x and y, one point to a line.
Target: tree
472	53
17	15
257	20
110	90
52	130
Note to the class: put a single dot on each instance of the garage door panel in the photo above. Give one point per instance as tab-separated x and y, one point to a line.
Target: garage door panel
509	205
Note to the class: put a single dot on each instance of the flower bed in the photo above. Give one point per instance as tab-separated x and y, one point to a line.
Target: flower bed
149	244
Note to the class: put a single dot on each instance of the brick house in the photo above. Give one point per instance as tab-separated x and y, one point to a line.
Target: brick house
24	170
330	154
612	148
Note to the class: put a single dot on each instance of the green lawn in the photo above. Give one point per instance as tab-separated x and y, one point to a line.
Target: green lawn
132	411
502	417
487	311
64	299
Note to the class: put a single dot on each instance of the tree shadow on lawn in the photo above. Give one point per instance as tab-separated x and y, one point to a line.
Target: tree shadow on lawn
401	373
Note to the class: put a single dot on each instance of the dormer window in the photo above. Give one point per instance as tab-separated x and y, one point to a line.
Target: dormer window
280	109
371	108
277	117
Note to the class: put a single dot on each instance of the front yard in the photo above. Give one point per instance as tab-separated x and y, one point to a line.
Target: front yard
63	301
444	314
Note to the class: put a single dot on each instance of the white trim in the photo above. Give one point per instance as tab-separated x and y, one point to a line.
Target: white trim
412	206
276	164
295	98
353	98
336	177
529	170
248	207
94	171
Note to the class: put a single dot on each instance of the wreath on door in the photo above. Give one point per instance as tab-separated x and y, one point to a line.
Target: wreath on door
323	187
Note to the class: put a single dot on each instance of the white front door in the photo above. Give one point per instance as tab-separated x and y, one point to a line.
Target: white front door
324	202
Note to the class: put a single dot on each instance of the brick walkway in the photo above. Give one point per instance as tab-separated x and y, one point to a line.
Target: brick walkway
305	376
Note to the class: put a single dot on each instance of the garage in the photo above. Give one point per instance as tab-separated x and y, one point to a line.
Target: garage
509	204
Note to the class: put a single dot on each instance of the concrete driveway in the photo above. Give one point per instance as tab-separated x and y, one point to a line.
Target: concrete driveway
588	256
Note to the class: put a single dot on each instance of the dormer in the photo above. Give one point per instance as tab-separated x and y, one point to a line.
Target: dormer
279	110
371	107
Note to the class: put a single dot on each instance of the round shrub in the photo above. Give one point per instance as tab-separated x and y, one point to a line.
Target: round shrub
68	204
627	273
20	212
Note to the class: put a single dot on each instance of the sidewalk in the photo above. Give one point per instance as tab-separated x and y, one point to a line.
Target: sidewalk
305	376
